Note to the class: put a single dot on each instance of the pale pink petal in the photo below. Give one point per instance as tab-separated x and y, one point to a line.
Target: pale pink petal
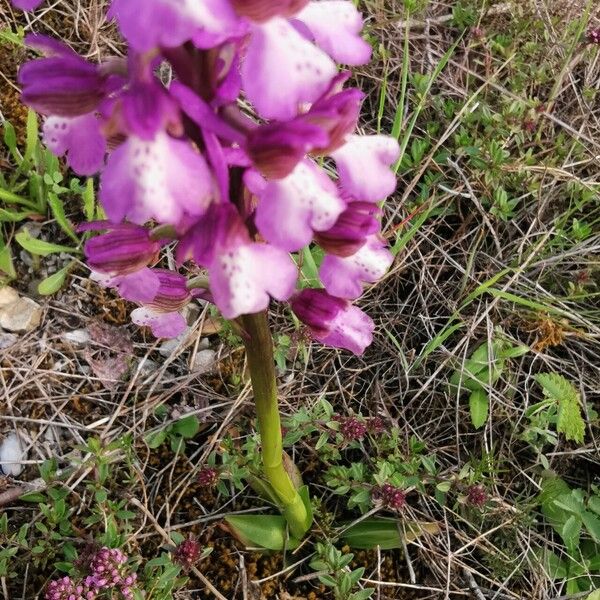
242	280
162	325
290	209
160	179
343	276
282	70
363	164
80	139
351	329
336	26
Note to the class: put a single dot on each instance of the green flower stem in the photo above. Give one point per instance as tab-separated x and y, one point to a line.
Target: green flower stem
259	350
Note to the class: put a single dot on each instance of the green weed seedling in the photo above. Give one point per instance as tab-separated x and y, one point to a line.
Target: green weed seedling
36	191
481	371
575	516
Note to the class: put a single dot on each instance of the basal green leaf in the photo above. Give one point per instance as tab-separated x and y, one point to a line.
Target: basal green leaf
479	405
40	247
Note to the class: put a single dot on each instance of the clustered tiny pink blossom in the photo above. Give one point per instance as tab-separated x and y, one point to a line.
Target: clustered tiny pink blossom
67	589
389	496
187	553
593	36
477	496
107	571
184	163
208	477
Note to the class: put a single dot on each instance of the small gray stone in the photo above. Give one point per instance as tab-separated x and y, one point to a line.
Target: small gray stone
7	340
77	336
204	362
167	348
8	295
20	316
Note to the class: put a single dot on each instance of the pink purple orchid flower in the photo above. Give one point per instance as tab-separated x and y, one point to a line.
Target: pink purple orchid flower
237	189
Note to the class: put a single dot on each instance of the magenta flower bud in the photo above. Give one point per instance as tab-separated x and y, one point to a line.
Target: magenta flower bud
276	148
333	321
208	477
125	249
390	496
187	553
351	428
593	36
63	84
477	496
351	230
263	10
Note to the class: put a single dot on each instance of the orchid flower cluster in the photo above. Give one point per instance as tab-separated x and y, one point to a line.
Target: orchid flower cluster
219	131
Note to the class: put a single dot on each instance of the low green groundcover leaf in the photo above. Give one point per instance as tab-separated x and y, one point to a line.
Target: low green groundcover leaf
267	532
40	247
187	427
388	534
52	284
479	406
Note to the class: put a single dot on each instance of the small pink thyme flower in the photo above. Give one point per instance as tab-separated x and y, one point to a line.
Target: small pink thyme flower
187	553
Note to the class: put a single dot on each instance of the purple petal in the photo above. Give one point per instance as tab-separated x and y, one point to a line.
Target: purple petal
27	4
172	293
146	109
336	26
148	24
162	179
290	209
141	286
333	321
343	277
350	231
352	330
282	70
125	249
65	85
363	165
276	148
80	138
162	325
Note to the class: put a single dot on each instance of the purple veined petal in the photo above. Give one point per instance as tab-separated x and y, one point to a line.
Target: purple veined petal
80	139
333	321
148	24
344	276
242	280
125	248
363	165
336	26
66	85
276	148
172	293
290	209
27	4
141	286
282	70
350	232
160	179
264	10
162	325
